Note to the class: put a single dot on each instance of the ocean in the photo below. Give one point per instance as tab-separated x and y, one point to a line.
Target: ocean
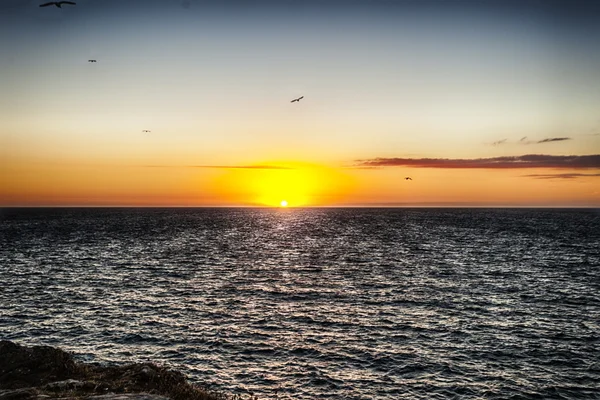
321	303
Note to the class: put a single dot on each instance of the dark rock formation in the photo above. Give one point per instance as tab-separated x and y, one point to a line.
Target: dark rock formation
22	367
44	372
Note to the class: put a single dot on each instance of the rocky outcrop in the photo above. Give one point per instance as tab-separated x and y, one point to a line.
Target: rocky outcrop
43	372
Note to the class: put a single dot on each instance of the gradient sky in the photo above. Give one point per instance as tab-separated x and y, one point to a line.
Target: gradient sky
456	94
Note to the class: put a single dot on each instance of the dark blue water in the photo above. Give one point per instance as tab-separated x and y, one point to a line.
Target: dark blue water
317	303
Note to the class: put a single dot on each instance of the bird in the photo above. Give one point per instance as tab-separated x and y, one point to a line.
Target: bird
408	178
298	99
91	60
146	130
57	3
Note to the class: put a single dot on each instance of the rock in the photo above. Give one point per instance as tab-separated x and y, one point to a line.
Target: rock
18	394
137	396
33	366
148	373
42	372
69	384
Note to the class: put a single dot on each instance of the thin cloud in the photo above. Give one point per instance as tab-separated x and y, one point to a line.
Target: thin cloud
241	166
559	176
275	167
524	140
525	161
555	139
363	167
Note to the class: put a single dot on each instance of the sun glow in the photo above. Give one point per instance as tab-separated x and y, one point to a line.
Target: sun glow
299	184
283	184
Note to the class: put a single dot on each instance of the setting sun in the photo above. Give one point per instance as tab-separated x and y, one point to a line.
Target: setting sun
282	184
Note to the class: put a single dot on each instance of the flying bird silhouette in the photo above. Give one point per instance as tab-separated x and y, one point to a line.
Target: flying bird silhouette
298	99
146	130
57	3
91	60
408	178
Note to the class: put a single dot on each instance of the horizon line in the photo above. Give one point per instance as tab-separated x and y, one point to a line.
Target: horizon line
388	206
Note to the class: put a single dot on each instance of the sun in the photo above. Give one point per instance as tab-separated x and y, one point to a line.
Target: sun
282	184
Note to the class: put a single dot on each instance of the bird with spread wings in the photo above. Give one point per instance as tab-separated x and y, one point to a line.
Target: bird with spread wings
57	3
298	99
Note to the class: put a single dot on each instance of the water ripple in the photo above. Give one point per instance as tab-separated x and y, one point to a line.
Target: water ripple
317	303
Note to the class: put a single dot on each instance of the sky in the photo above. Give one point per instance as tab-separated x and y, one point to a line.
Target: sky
480	103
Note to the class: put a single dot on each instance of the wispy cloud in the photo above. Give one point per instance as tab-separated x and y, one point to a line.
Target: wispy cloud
358	166
524	140
554	139
276	167
241	166
559	176
525	161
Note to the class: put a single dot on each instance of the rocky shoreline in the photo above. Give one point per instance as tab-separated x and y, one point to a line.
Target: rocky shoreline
44	372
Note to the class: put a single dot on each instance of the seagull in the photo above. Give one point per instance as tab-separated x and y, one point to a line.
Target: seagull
57	3
91	60
408	178
298	99
146	130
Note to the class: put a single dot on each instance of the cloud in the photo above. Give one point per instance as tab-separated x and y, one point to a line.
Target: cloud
276	167
524	140
358	166
241	166
525	161
554	139
559	176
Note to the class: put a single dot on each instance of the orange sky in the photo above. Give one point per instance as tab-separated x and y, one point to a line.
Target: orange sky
300	184
438	95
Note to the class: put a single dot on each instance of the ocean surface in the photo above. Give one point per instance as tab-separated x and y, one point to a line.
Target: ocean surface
317	303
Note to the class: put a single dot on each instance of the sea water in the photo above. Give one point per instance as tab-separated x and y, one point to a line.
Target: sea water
316	303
